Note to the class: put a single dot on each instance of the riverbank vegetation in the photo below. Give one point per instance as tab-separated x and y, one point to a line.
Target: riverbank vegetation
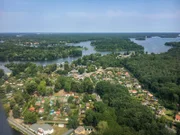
173	44
11	52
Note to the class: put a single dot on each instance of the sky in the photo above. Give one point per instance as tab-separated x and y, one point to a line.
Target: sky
89	15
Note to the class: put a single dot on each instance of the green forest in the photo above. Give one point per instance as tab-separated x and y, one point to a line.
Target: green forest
120	114
116	45
159	73
13	52
173	44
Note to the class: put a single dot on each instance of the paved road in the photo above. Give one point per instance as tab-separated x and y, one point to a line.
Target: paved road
20	127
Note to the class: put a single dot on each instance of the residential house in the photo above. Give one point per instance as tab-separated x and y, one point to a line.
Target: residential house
177	118
61	125
42	129
87	105
88	129
127	74
31	109
57	112
80	131
41	110
128	85
38	103
150	95
83	111
133	91
137	86
118	73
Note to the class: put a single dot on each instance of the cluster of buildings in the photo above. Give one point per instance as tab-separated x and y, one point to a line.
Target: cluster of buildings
83	130
61	113
123	77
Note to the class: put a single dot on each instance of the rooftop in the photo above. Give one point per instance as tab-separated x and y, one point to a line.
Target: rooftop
45	127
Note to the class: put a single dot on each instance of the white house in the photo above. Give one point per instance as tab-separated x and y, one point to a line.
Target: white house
42	129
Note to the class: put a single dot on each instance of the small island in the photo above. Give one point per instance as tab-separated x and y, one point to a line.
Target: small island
173	44
115	44
140	38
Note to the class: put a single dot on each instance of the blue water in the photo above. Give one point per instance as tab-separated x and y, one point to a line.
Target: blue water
155	44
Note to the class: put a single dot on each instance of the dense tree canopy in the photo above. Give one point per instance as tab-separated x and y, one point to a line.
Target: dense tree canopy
173	44
13	52
30	117
116	45
160	73
123	114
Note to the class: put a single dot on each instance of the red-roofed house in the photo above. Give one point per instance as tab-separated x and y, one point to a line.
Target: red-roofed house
133	91
177	118
43	101
57	112
150	95
127	74
32	109
118	73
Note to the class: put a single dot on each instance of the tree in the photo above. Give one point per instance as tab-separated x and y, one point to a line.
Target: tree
2	93
19	98
12	103
61	80
86	98
90	118
88	85
1	73
73	122
67	86
76	86
8	88
31	87
42	88
30	117
102	126
91	68
49	91
70	99
6	108
81	70
16	112
66	66
57	103
57	86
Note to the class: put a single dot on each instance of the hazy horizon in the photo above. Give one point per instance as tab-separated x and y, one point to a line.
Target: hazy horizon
95	16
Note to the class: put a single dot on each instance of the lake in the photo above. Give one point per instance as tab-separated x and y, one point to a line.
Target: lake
87	44
151	45
155	44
